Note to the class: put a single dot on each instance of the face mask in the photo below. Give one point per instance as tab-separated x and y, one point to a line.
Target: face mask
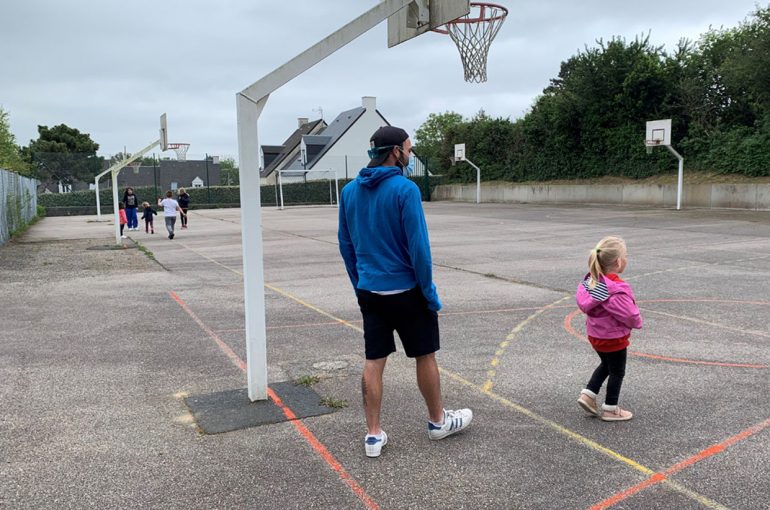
408	170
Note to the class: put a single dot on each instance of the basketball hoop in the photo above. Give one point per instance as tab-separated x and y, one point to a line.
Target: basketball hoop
180	149
473	34
135	165
651	144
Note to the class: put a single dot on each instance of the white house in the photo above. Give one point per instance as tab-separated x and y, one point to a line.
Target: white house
339	147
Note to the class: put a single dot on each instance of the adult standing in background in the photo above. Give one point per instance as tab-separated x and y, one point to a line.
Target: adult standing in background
383	240
184	202
131	201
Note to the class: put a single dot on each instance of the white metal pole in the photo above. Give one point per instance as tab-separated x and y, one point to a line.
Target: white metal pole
98	205
250	102
680	177
115	207
251	239
679	186
478	185
478	180
337	187
280	188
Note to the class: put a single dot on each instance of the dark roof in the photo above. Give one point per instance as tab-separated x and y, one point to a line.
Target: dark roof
270	152
336	129
289	146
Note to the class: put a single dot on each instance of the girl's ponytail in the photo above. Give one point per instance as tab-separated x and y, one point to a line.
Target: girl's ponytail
594	267
606	253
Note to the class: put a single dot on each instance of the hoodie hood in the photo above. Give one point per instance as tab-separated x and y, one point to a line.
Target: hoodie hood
372	177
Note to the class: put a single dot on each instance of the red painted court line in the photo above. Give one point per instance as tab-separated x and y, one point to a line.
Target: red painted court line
571	330
322	451
704	454
238	362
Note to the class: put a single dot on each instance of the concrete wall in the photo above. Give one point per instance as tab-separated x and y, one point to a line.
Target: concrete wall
735	196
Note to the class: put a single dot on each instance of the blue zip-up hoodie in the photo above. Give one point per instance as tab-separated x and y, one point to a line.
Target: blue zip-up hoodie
383	236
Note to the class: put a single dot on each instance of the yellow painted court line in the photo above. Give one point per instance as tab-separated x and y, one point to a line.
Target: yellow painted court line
583	440
279	291
314	308
504	345
707	323
692	266
508	403
210	259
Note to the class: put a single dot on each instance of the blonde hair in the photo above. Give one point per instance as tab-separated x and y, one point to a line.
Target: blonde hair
180	191
145	204
604	256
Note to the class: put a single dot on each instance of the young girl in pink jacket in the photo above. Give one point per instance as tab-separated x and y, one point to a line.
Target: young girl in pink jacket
611	314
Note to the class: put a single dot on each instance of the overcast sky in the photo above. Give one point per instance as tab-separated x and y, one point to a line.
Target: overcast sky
110	68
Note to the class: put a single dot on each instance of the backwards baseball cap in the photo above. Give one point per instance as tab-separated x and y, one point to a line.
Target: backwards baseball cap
382	141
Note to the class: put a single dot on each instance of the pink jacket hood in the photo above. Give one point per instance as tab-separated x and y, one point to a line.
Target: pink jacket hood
610	307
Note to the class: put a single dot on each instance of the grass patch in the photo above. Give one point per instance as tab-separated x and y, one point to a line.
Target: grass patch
307	380
145	250
19	231
334	403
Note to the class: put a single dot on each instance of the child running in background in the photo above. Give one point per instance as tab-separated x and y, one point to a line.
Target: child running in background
147	217
122	218
170	207
611	314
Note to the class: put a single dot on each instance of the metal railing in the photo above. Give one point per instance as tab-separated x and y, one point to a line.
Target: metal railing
18	203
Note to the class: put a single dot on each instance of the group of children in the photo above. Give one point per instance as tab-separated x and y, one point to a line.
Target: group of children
128	207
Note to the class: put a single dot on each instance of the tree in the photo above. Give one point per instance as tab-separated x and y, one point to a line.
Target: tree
10	155
431	136
229	172
63	154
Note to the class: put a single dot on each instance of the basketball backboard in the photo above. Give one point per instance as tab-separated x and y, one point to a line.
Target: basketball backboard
459	152
163	133
658	132
422	15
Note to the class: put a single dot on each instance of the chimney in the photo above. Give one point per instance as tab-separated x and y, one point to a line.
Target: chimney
302	121
369	103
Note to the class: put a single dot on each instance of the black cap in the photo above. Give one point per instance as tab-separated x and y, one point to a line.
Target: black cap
382	141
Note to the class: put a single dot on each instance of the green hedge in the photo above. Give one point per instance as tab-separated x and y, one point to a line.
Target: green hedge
84	202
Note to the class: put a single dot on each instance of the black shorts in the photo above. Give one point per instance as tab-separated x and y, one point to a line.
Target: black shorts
407	313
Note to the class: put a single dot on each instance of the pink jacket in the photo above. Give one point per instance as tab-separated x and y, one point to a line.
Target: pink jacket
610	308
122	216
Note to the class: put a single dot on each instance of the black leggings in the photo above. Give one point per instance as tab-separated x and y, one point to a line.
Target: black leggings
184	216
613	365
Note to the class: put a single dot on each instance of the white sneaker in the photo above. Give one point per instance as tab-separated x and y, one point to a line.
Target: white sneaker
374	444
454	421
123	237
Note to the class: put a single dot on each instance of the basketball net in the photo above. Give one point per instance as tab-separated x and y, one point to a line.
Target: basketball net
180	149
473	34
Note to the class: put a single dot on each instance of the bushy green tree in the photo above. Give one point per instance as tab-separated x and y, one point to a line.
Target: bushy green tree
229	172
63	154
10	155
430	138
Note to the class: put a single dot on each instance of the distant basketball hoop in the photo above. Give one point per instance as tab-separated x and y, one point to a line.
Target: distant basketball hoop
473	34
180	149
135	165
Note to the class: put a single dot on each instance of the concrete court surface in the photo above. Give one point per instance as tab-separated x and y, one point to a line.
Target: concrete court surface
99	348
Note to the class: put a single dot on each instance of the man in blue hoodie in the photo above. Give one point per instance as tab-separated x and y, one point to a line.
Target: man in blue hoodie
384	242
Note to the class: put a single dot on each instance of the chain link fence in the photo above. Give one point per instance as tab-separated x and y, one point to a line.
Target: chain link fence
18	203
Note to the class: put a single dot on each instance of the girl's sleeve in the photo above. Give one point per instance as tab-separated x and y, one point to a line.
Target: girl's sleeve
623	308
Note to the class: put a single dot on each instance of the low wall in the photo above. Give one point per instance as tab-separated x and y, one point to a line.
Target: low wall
734	196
